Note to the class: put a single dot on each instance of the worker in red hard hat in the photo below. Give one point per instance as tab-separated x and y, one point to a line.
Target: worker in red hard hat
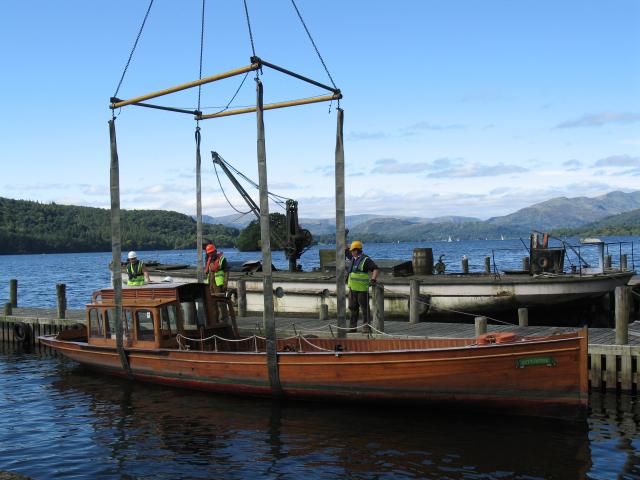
359	283
217	276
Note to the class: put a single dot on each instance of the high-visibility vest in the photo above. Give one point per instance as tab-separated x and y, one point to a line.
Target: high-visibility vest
358	278
218	275
136	275
215	267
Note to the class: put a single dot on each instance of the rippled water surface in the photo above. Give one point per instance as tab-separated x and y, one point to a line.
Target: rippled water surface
59	420
83	273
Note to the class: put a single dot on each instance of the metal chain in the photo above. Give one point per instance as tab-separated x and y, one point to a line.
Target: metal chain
133	49
313	43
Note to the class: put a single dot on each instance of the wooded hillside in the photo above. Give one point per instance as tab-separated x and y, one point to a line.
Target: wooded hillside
32	227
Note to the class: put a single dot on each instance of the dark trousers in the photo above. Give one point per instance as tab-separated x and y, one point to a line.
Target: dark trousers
359	301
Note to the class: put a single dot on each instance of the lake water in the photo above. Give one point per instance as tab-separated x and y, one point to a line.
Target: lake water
59	420
83	273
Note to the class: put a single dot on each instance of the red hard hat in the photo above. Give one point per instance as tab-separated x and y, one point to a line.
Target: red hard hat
210	248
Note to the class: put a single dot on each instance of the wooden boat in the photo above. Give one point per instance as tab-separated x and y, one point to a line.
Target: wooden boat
172	337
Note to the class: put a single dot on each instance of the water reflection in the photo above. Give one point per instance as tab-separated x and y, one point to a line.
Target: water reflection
147	427
61	421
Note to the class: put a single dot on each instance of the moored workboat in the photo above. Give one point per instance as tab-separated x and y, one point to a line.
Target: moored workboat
172	337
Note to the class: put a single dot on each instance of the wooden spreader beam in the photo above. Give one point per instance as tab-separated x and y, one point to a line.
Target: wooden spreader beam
256	63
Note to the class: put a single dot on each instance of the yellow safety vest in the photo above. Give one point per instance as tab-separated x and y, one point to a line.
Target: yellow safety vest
136	275
358	278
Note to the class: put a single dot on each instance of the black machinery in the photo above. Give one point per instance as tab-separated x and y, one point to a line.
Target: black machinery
298	239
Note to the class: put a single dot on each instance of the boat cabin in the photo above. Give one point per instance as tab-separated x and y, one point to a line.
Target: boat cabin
155	314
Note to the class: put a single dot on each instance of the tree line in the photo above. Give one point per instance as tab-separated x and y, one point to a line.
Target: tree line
33	227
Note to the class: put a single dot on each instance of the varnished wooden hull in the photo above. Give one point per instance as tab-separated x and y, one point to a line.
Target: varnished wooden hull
542	377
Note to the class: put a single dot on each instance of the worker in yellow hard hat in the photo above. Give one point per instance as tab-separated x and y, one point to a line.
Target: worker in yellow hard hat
359	282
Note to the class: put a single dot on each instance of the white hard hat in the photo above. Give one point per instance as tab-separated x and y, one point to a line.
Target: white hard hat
131	255
167	279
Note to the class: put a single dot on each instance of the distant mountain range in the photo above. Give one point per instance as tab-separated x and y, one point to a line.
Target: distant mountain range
551	215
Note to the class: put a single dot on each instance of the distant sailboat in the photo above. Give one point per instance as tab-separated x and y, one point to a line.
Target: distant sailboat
449	239
501	237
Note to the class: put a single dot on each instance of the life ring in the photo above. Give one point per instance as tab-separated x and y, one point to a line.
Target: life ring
543	262
501	337
22	332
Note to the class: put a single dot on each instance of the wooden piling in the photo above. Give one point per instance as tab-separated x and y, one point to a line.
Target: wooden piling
61	297
523	317
323	314
13	292
7	309
242	297
378	306
607	261
525	264
414	301
481	325
622	304
465	264
623	262
487	264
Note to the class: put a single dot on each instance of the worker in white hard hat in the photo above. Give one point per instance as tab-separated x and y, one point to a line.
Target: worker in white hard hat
136	270
359	283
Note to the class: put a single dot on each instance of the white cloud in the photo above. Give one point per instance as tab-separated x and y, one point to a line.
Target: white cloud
599	119
618	161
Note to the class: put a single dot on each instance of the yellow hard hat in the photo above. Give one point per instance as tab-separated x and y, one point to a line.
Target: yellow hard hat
356	244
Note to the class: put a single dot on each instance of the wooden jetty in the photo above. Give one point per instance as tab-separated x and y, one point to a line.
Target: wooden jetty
612	366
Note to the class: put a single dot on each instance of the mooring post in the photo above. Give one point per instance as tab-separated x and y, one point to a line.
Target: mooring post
622	297
341	307
623	262
61	297
323	314
525	264
13	292
378	306
523	317
265	238
487	264
242	297
414	301
465	264
8	311
481	325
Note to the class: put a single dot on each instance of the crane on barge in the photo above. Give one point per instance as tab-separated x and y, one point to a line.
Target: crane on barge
298	239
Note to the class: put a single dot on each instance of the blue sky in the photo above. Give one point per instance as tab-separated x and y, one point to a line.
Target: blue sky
451	108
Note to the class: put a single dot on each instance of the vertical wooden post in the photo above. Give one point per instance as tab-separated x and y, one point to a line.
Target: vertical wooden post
525	264
481	325
414	301
200	269
596	371
611	374
242	297
323	314
8	309
487	264
265	238
622	304
378	306
607	261
626	370
523	317
465	264
116	253
341	307
13	292
61	297
623	262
